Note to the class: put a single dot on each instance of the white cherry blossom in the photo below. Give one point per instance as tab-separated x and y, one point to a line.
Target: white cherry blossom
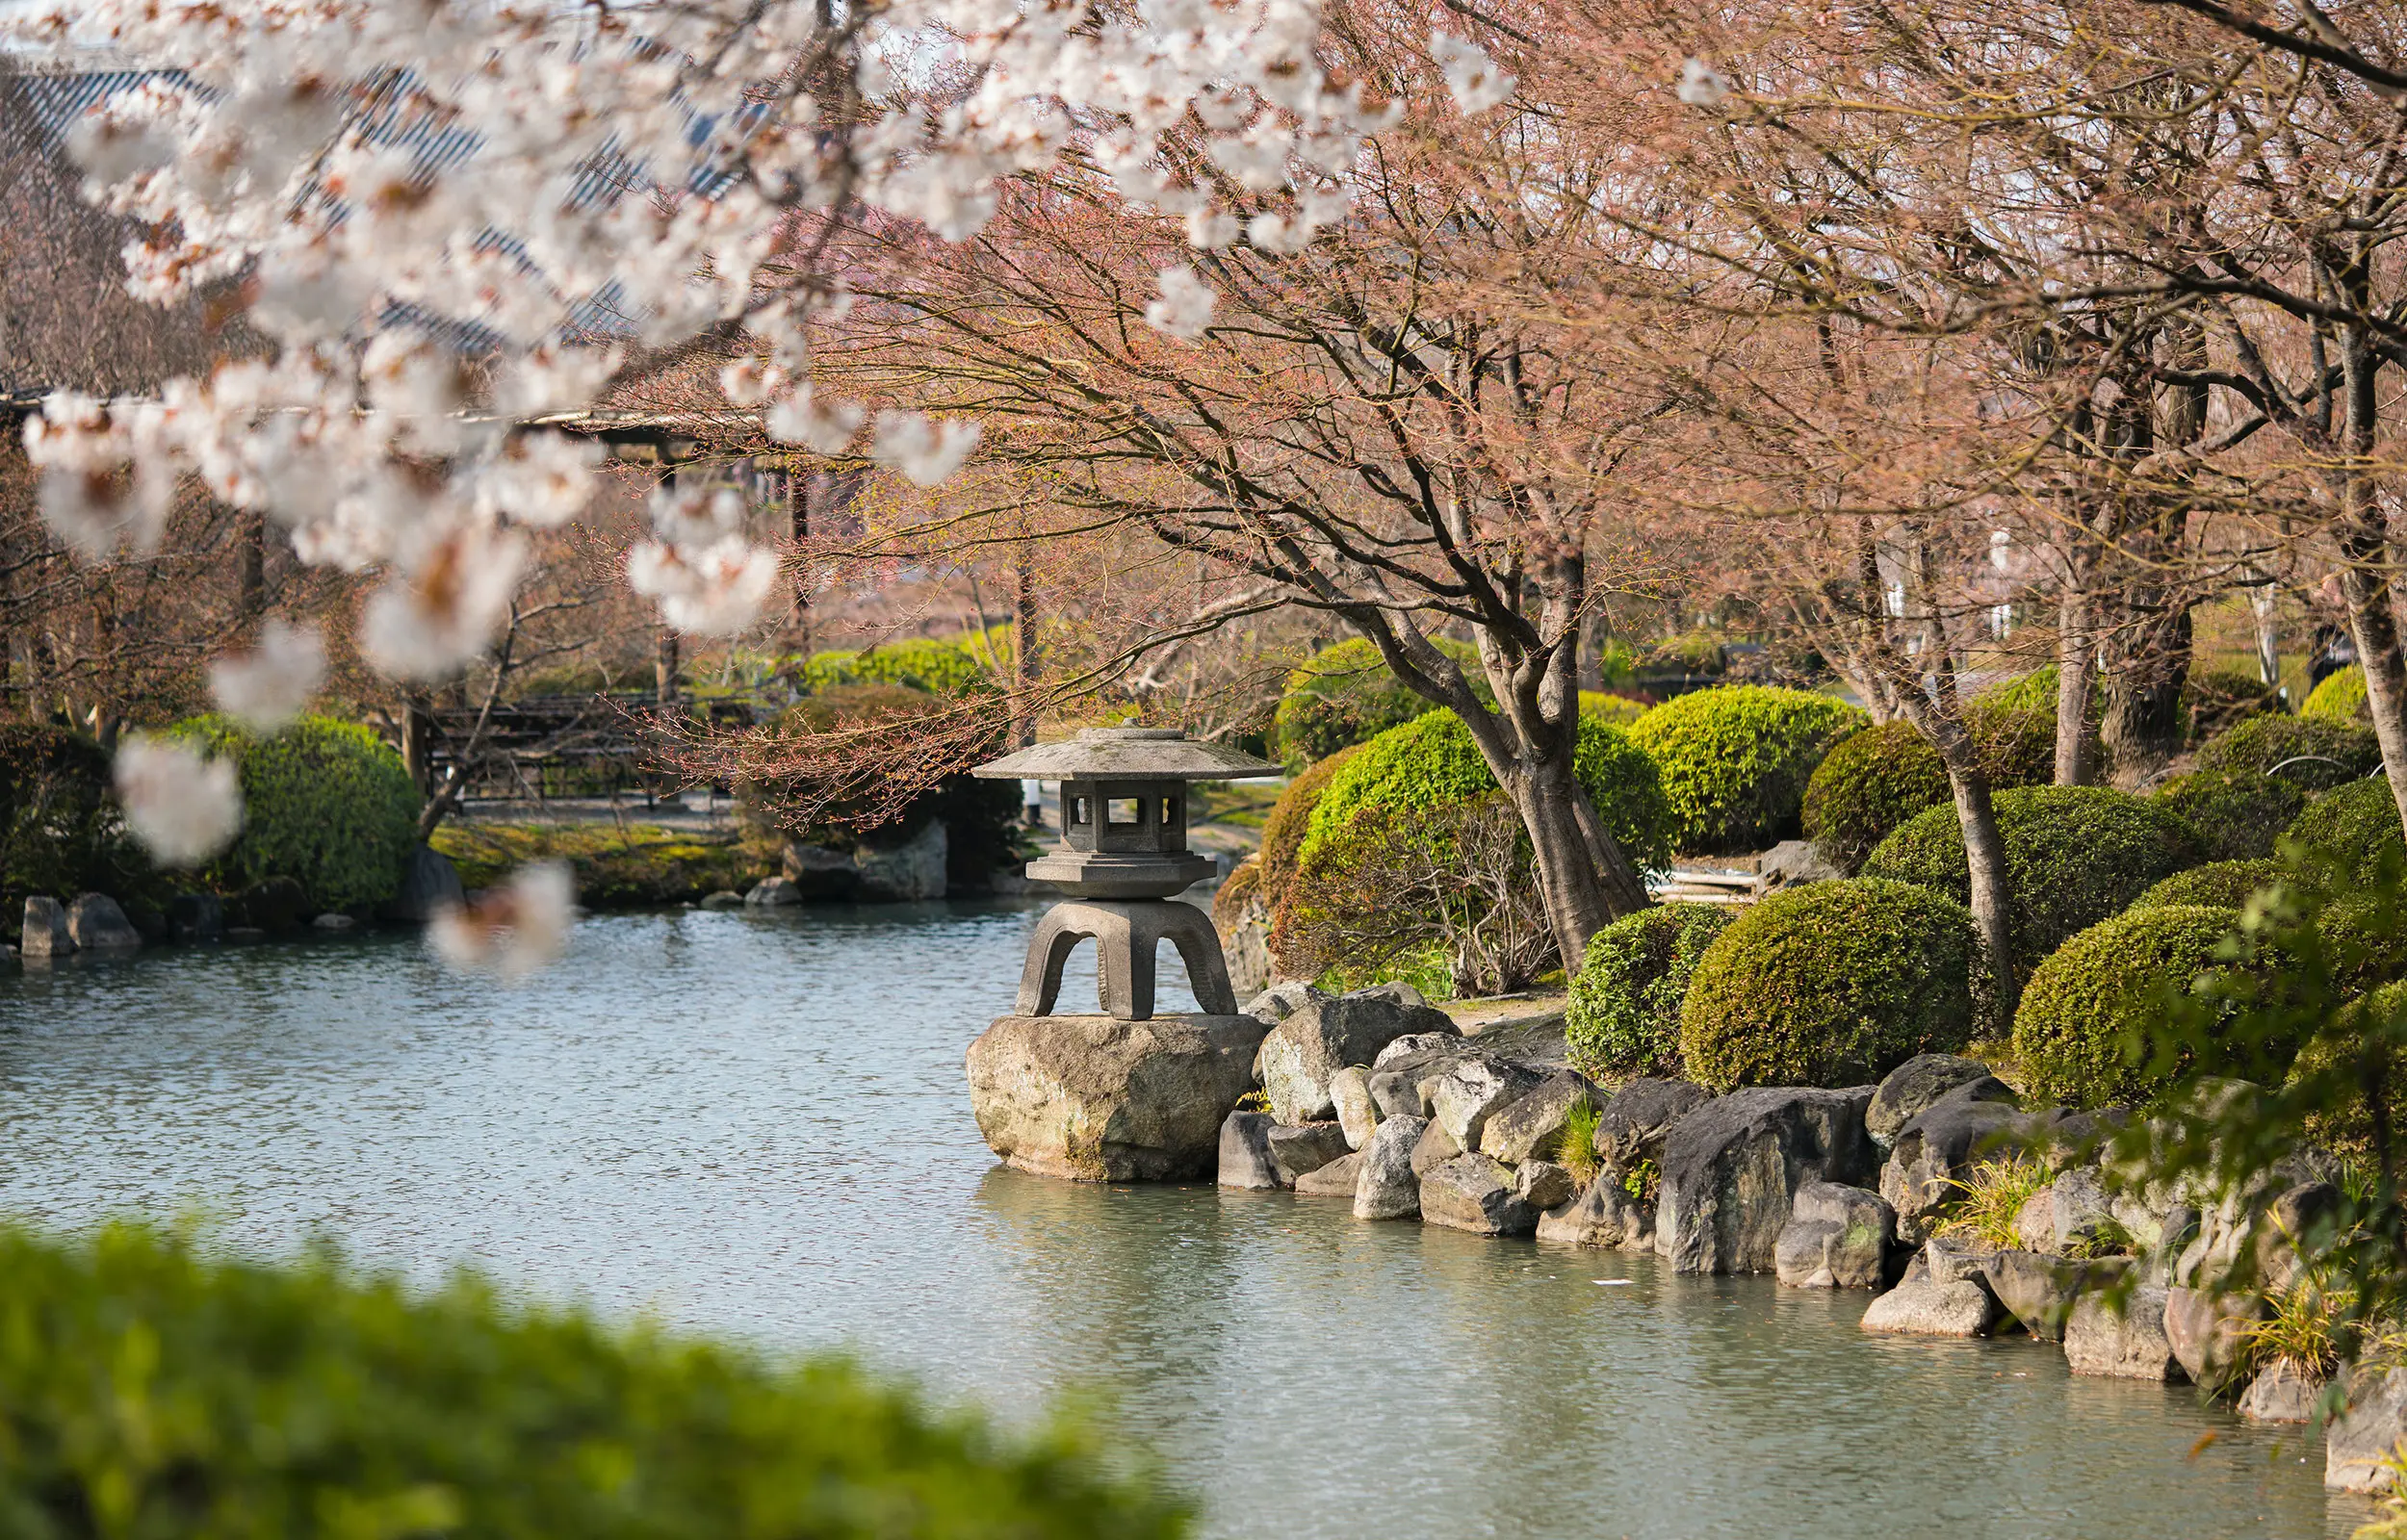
924	449
267	687
183	805
1185	308
714	590
1474	78
513	931
1701	84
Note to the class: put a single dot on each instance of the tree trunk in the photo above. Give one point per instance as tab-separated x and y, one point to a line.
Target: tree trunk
2142	723
1549	798
2076	661
1992	886
251	598
2374	626
2264	602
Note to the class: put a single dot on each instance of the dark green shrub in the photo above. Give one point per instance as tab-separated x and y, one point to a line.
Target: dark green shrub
1624	1017
325	803
2214	701
2075	855
2034	691
1736	759
147	1391
2238	814
1431	762
2355	1050
1831	984
939	668
1876	779
2315	754
2218	884
60	833
1291	820
1344	695
2357	825
2092	1030
2340	698
1690	653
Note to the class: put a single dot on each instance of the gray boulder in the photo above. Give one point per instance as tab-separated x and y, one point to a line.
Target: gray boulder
2209	1333
1531	1125
2284	1393
1418	1043
2121	1338
1906	1092
332	920
45	933
2038	1290
910	872
1350	1092
429	886
1305	1147
1337	1179
201	916
1388	1186
1939	1145
1305	1051
1926	1309
1544	1185
1475	1194
1474	1091
1245	1158
1605	1216
1102	1100
2372	1420
773	892
726	898
1434	1148
1637	1118
2079	1209
1394	1093
1281	1001
1954	1259
1837	1238
1790	863
1731	1168
98	925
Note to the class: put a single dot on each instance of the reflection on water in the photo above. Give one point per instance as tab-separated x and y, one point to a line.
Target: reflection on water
756	1125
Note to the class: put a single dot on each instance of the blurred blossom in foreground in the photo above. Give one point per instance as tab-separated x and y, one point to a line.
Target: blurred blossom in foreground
424	624
1472	75
713	590
1185	308
1701	84
515	930
182	806
265	688
921	448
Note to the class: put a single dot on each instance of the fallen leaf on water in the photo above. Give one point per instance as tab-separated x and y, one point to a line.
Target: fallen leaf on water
2204	1438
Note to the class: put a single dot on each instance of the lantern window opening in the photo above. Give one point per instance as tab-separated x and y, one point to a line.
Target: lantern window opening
1170	811
1124	812
1079	812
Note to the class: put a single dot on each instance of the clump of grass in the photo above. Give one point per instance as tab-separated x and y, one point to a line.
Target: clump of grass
2303	1329
617	867
1576	1147
1992	1196
2112	1237
1641	1180
1256	1100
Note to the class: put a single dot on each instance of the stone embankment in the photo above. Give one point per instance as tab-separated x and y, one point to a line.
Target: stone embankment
1377	1099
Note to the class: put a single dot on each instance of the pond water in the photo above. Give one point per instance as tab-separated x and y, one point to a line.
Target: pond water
756	1125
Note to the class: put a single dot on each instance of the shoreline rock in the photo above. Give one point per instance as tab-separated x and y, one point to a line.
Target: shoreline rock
1097	1100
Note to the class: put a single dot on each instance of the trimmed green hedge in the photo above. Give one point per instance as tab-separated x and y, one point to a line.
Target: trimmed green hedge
1431	762
2090	1031
327	804
1344	695
1623	1017
2215	700
2345	1126
1831	984
1878	778
61	830
148	1390
2034	691
2076	855
2340	698
2218	884
1736	759
2358	824
2328	754
2238	814
938	668
1290	821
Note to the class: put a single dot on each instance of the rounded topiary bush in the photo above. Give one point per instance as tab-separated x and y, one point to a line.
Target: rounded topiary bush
2216	700
1624	1017
2354	1051
2357	826
1831	984
1875	780
1344	695
153	1391
2238	814
2218	884
2075	855
2340	698
60	833
2313	753
1736	759
2034	691
1432	762
326	804
2091	1026
1291	820
943	668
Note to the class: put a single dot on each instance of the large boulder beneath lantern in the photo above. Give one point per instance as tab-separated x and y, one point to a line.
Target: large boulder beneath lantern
1321	1036
1095	1098
1732	1166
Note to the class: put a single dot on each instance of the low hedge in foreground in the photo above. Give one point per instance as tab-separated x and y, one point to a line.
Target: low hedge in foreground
1623	1017
2076	855
147	1390
2090	1031
1831	984
2357	825
1736	759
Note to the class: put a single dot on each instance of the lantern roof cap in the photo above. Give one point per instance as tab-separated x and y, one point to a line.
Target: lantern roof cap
1127	754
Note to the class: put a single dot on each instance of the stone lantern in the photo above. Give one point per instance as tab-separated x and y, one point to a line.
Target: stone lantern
1123	858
